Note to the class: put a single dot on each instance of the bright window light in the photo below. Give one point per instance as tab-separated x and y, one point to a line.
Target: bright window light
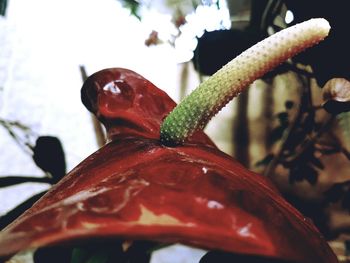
289	17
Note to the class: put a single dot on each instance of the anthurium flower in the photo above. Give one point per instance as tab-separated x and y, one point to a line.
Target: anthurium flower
137	188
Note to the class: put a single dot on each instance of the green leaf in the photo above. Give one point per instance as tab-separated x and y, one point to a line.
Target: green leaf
79	255
133	6
3	6
99	257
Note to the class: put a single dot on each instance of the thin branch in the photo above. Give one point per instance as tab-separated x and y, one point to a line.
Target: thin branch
293	67
346	153
99	131
13	180
24	144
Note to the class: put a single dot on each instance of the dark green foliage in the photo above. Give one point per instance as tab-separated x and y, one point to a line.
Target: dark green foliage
133	6
96	251
79	255
339	192
336	107
298	150
289	104
283	118
13	180
304	166
110	251
277	132
3	6
52	254
265	161
283	123
303	171
101	252
49	156
224	257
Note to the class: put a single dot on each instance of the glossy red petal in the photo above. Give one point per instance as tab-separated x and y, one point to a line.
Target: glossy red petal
135	188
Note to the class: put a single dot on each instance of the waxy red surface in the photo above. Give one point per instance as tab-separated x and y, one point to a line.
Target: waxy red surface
136	188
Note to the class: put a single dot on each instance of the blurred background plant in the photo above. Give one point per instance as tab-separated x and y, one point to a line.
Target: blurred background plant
292	126
47	153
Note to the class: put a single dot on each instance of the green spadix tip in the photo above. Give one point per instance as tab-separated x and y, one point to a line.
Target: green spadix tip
195	111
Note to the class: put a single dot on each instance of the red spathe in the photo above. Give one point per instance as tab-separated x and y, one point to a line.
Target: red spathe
136	188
